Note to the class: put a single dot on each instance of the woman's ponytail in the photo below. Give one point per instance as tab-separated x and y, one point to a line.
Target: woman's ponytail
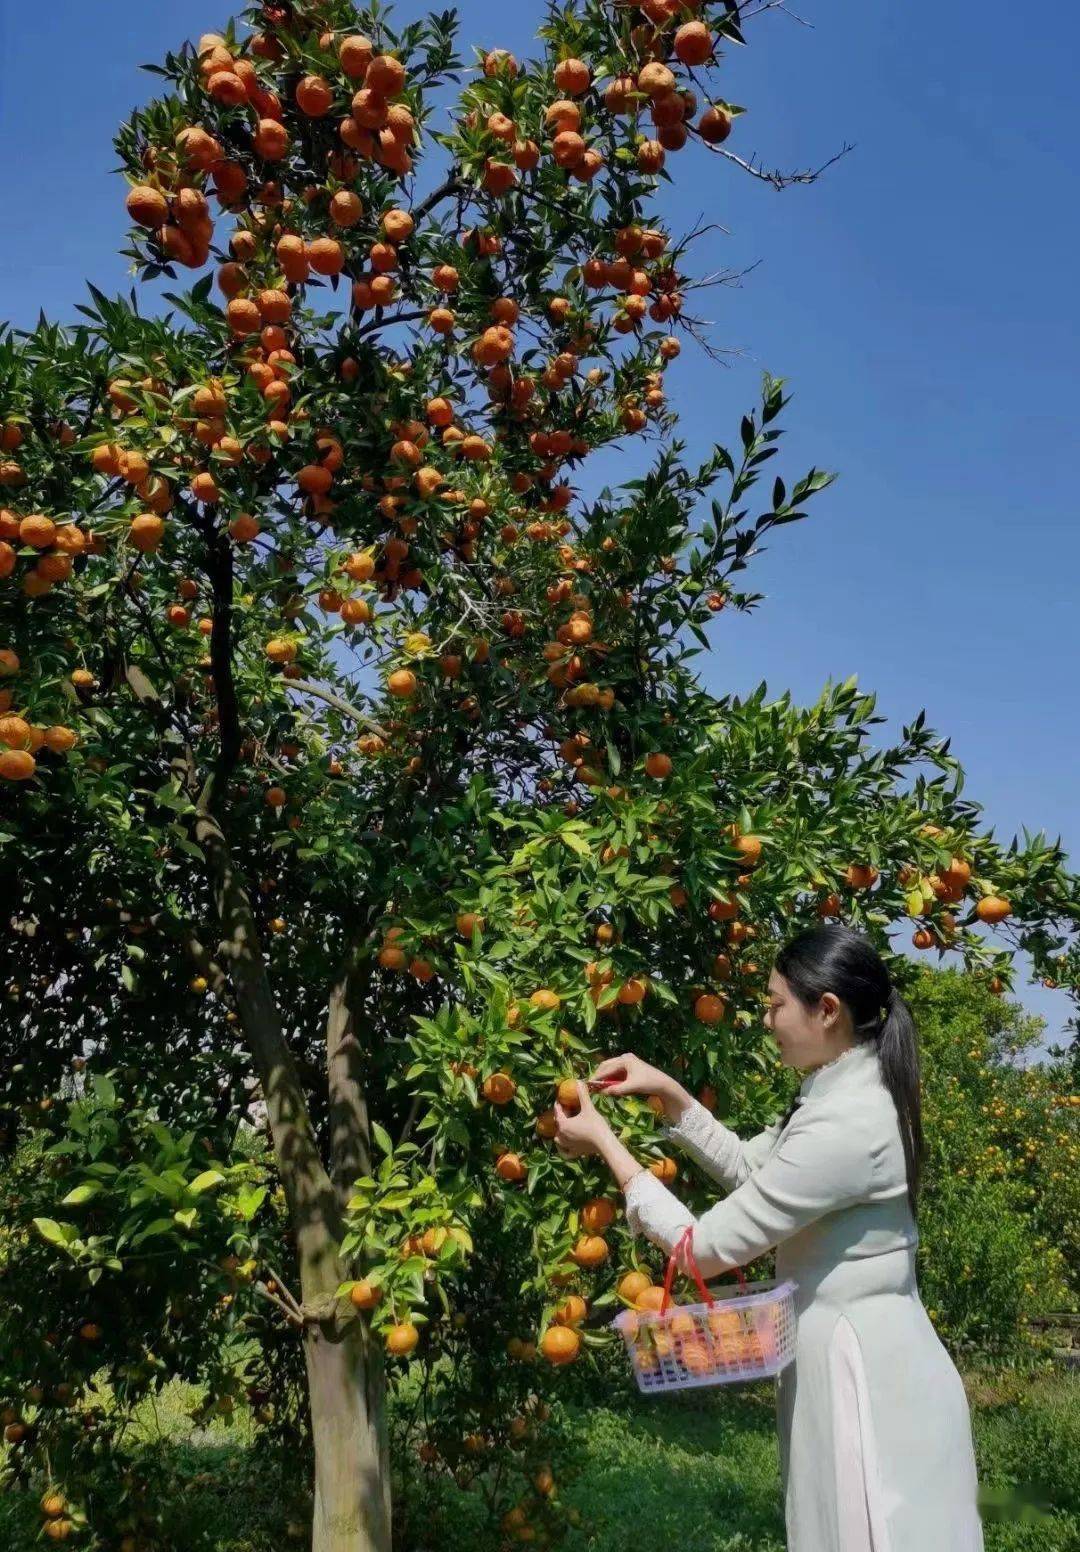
898	1053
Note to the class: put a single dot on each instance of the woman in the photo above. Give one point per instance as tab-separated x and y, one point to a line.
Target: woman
875	1435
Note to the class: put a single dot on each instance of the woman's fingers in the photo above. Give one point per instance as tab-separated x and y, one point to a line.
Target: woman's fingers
614	1066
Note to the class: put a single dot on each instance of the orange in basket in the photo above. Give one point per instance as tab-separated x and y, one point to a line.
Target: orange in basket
744	1335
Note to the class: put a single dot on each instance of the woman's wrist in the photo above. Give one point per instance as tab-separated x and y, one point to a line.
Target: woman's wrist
619	1160
676	1101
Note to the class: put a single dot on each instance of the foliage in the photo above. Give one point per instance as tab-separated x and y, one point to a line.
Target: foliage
998	1225
349	749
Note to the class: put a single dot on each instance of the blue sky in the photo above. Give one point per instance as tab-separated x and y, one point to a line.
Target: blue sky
917	299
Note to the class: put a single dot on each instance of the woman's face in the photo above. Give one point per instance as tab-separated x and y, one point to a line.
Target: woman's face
807	1037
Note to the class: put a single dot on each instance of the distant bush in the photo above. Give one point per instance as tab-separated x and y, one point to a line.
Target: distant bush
1000	1212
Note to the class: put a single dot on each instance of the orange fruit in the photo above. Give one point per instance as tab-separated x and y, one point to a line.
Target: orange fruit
567	1095
364	1295
205	488
714	126
147	206
314	96
572	76
710	1008
560	1344
402	683
244	528
401	1339
598	1214
326	256
749	848
545	999
314	479
146	532
665	1170
466	921
572	1312
37	530
655	79
546	1125
499	1088
992	909
861	875
60	739
355	54
633	1284
590	1251
346	208
385	75
271	140
693	43
568	148
243	315
650	1298
632	992
658	765
16	764
511	1167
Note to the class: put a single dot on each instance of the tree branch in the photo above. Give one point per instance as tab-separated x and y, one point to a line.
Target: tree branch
778	180
306	687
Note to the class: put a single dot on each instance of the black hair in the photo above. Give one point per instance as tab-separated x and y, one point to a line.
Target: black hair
835	958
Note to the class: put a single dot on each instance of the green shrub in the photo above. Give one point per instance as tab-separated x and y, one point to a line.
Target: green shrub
1000	1211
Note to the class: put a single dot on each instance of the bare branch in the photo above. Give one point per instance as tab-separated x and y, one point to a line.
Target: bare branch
778	180
292	1317
305	687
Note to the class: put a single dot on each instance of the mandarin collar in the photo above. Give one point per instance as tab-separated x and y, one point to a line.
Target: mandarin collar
858	1061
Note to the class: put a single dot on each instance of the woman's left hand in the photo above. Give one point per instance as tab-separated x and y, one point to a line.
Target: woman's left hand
576	1136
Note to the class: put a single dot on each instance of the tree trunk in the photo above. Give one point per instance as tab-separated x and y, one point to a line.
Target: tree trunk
345	1367
347	1387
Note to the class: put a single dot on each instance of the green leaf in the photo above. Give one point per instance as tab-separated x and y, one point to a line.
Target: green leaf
382	1137
60	1234
207	1180
81	1194
187	1217
575	843
105	1089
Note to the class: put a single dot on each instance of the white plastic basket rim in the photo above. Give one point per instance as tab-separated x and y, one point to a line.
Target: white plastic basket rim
762	1293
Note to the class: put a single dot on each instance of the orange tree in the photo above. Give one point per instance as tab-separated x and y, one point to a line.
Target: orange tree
345	747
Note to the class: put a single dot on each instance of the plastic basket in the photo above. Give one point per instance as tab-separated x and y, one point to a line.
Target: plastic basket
747	1334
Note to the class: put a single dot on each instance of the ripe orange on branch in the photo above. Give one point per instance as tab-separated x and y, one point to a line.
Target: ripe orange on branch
560	1344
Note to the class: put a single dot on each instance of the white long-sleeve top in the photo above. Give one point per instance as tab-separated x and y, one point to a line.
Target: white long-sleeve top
841	1148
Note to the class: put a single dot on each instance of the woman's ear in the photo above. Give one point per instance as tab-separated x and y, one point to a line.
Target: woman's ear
830	1008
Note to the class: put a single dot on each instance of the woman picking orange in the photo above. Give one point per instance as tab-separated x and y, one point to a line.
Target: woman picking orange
875	1433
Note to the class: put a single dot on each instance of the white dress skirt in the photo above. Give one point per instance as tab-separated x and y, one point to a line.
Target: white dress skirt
876	1452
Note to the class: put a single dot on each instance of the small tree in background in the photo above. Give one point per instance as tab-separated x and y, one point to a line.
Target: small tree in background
346	747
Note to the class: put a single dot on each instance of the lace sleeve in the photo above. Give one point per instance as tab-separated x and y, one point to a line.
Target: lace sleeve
722	1155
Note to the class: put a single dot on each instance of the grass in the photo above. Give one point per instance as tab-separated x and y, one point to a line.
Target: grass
694	1471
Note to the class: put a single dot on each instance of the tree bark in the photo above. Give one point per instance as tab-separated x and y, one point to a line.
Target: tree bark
347	1388
345	1366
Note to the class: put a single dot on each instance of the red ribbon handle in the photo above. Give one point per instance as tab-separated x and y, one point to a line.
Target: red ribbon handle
686	1239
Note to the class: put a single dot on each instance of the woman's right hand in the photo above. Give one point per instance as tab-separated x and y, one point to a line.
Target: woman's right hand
628	1074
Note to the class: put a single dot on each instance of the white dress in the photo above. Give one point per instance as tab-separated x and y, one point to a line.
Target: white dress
876	1451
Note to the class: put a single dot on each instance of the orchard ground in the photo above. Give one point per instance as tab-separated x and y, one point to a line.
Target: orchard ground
703	1471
